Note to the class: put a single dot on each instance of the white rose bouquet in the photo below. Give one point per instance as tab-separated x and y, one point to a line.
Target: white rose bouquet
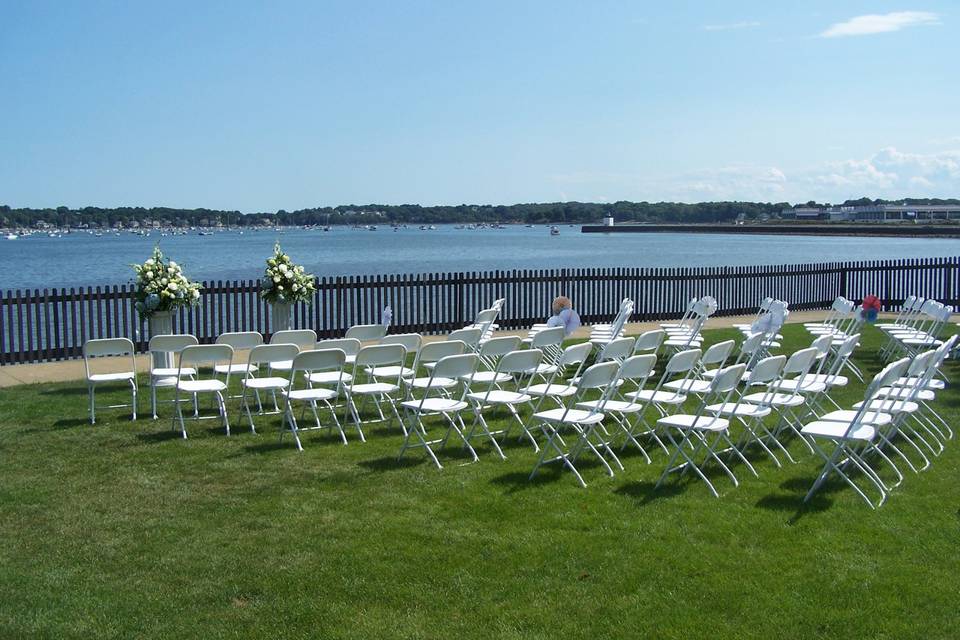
285	282
161	286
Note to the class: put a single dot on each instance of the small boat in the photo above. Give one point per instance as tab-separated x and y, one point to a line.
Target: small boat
554	231
206	233
12	236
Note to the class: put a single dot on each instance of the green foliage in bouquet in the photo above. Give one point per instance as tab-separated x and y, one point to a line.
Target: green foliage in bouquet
161	286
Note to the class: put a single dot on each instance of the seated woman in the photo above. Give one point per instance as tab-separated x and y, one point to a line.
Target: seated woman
564	315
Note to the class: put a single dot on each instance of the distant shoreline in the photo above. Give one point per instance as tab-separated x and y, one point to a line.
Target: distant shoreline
866	230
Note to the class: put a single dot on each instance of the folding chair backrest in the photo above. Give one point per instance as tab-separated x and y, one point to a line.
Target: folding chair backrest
366	332
107	347
303	338
575	354
767	370
799	362
241	340
921	363
750	345
486	317
171	343
522	361
435	351
410	341
496	347
456	366
350	346
717	354
822	345
626	310
206	354
547	338
637	367
269	353
598	376
469	336
380	355
649	341
319	360
727	379
683	361
616	349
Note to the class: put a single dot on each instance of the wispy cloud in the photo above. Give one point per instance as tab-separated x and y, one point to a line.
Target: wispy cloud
888	173
880	23
732	25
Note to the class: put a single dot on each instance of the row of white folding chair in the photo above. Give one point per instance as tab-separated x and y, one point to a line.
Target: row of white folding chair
687	335
602	334
762	309
922	335
839	311
897	403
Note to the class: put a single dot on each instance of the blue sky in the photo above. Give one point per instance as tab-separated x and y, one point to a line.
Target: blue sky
262	106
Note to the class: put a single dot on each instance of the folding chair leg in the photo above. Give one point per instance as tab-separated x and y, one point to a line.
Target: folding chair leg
91	392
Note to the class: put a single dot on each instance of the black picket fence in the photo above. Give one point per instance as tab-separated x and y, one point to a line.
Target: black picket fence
52	324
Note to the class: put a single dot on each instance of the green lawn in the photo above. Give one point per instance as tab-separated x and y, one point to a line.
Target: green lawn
124	530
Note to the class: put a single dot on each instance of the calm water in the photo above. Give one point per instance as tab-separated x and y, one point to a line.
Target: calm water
82	259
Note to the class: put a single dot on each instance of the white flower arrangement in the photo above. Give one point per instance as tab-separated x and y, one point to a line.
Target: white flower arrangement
285	282
161	286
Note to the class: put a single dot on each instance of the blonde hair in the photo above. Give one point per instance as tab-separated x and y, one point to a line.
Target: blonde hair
560	303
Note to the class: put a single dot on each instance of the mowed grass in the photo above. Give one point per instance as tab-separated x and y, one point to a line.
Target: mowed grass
124	530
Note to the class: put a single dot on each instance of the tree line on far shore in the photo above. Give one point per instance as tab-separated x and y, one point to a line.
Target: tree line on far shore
533	213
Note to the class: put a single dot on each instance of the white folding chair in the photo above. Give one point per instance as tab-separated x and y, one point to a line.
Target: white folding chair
714	357
379	389
350	348
550	342
266	355
490	353
307	362
514	366
853	438
93	350
166	349
416	409
704	430
241	342
411	344
634	371
751	414
196	357
305	339
649	342
583	422
556	388
428	357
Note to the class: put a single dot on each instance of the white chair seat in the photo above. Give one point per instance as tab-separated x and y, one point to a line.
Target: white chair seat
890	406
112	377
488	377
659	397
369	388
934	384
545	369
838	431
265	383
778	399
698	423
744	409
282	365
806	387
572	416
235	368
904	392
827	379
435	405
922	342
316	393
328	377
693	344
391	372
432	383
166	372
499	396
847	416
552	390
615	406
689	386
198	386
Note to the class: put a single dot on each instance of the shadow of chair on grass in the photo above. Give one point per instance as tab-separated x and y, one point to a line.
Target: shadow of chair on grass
793	501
